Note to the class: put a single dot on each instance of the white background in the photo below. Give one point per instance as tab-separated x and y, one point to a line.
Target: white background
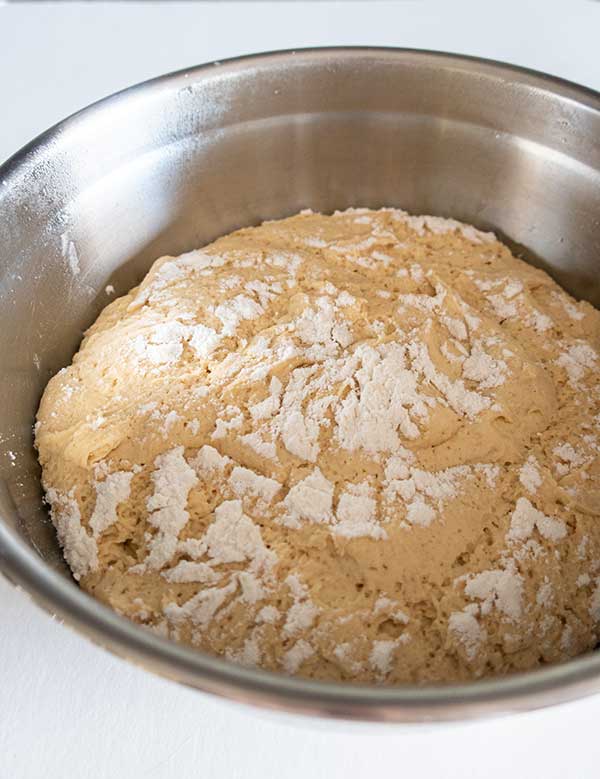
68	709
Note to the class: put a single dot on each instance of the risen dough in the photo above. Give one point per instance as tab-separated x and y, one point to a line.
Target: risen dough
355	447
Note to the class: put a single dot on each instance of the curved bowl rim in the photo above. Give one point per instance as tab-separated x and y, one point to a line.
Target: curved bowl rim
408	703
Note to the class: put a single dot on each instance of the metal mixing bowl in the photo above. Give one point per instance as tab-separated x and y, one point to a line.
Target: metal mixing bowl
173	163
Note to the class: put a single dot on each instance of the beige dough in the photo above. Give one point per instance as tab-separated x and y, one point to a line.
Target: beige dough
358	447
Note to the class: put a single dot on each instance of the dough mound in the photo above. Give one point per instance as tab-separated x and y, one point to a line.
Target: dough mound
359	447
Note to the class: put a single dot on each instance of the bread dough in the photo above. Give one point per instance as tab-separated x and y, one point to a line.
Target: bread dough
358	447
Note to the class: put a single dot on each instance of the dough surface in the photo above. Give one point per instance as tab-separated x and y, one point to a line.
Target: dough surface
359	447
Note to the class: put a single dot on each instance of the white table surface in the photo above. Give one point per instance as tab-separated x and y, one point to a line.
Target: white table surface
68	709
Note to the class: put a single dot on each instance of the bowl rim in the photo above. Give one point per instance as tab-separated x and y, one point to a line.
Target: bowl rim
407	703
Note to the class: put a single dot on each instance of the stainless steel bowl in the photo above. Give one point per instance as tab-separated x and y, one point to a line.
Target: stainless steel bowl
171	164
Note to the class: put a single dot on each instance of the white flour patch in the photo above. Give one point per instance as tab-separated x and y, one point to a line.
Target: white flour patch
233	537
568	458
424	493
530	476
245	482
577	359
484	369
302	612
201	608
310	499
109	494
192	571
296	656
382	656
465	627
526	517
79	548
172	478
439	226
386	400
463	401
234	311
572	309
499	589
357	514
209	460
268	614
545	594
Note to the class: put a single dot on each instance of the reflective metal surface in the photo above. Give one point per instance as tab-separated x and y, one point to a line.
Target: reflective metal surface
171	164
